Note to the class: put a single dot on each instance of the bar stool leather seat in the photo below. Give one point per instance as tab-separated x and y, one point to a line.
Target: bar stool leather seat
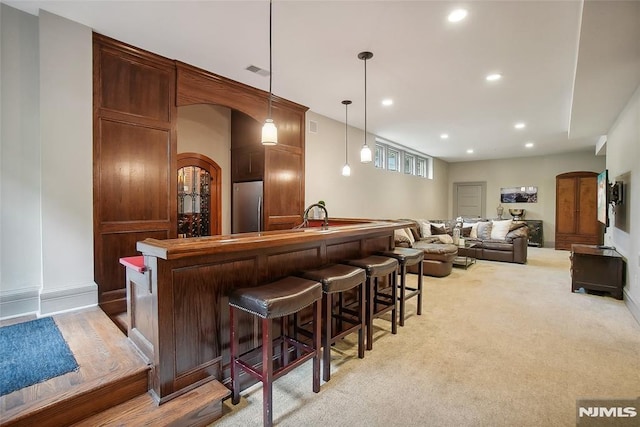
335	279
278	299
408	257
377	267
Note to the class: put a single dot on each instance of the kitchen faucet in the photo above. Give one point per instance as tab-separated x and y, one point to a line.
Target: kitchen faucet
305	216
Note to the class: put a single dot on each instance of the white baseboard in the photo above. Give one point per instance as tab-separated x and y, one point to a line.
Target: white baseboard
19	302
60	300
632	305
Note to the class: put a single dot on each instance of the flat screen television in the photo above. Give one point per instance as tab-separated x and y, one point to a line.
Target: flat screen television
603	197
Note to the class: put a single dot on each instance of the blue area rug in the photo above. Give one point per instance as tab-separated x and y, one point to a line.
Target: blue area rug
32	352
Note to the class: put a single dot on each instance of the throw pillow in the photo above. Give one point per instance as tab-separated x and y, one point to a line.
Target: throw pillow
484	230
499	229
474	231
409	235
400	236
413	232
445	238
437	229
466	231
425	228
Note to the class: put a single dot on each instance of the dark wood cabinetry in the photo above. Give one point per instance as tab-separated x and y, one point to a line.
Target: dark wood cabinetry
280	167
136	95
247	165
576	202
134	155
247	153
597	269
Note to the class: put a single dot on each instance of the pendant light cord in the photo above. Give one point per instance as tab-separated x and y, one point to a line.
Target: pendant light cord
346	133
270	54
365	101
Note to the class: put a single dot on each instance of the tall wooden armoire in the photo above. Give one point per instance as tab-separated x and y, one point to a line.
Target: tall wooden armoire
576	202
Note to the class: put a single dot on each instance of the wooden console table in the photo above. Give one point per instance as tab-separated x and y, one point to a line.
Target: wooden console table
536	236
597	268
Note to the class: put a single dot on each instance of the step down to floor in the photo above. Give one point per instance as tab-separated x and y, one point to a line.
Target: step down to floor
198	407
111	371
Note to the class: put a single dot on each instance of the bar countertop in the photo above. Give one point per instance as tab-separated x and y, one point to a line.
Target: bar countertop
195	246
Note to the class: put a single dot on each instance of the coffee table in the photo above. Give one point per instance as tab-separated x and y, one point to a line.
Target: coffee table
464	261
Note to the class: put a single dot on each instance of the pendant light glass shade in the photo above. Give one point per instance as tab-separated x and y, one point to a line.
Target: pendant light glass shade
269	133
365	152
269	130
346	169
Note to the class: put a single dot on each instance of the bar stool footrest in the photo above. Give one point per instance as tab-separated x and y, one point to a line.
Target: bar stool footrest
307	353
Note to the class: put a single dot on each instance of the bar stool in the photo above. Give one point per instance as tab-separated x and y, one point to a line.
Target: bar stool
278	299
336	279
377	267
407	257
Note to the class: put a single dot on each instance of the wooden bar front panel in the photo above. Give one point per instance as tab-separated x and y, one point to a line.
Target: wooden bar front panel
192	343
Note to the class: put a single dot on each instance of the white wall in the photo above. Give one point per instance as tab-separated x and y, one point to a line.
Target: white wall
368	192
66	137
20	242
47	175
206	129
537	171
623	156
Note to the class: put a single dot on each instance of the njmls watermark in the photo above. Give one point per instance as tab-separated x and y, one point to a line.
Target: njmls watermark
608	412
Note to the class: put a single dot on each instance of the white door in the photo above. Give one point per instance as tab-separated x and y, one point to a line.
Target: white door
468	199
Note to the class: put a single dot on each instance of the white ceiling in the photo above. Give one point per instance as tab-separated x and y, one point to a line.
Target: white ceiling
433	70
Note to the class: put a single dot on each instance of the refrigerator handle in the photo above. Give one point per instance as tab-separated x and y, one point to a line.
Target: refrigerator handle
260	213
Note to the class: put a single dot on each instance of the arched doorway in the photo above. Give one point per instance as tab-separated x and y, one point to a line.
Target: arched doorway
199	195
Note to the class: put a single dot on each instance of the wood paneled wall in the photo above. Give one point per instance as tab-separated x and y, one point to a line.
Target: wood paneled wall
134	150
136	94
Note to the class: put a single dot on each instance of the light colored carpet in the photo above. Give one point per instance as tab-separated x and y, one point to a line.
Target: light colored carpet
496	345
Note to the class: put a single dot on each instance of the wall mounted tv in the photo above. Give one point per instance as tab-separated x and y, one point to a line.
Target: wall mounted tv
603	197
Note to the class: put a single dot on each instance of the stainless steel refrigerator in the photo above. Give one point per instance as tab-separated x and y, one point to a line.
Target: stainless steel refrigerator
246	207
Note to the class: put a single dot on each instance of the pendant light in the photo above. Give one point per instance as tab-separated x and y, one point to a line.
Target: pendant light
346	170
269	130
365	152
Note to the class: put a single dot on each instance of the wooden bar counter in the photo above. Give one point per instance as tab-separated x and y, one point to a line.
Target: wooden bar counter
177	303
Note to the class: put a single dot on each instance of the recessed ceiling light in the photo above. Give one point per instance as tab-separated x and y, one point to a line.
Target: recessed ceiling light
387	102
519	125
470	151
444	136
494	77
529	144
457	15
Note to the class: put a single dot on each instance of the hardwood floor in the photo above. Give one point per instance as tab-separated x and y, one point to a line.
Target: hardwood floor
109	388
110	372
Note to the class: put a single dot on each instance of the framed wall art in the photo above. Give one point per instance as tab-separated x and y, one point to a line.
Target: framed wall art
519	195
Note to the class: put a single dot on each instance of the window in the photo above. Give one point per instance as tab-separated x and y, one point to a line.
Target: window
393	159
379	158
409	164
421	167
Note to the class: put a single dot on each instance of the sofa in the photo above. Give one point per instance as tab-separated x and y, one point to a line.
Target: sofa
438	255
493	240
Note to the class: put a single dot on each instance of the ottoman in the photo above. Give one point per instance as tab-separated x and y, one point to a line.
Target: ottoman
438	258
